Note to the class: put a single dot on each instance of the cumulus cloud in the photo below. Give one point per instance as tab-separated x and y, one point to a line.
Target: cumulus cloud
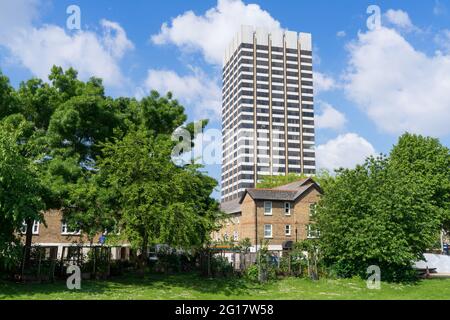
330	118
16	15
398	87
39	48
341	34
196	91
400	19
345	151
439	8
323	82
115	38
211	32
442	39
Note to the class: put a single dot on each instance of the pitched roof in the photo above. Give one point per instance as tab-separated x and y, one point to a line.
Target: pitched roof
288	192
233	206
276	194
295	185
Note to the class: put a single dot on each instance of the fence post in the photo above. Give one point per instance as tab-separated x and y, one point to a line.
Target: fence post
289	264
23	264
209	263
39	265
62	260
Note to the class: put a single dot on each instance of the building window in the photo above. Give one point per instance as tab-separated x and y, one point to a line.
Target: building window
267	231
268	208
235	236
23	230
312	209
287	230
287	208
313	232
65	230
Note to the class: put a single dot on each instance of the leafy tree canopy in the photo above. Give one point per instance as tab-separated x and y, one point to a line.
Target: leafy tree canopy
273	181
388	211
106	162
20	195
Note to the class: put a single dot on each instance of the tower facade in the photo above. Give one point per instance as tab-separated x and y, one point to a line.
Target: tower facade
267	108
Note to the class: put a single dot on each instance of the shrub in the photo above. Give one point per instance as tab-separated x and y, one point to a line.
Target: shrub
220	266
298	265
387	211
252	273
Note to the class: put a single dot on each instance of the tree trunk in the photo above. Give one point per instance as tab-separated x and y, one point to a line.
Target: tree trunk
144	249
28	242
144	255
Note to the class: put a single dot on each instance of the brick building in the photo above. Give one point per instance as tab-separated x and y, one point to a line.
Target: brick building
281	215
56	236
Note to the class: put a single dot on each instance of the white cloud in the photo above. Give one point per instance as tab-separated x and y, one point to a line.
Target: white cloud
323	82
341	34
400	19
399	88
439	8
196	91
16	15
330	118
39	48
346	151
115	39
442	39
212	32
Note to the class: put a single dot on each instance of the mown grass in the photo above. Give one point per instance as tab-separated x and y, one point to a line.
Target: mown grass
191	286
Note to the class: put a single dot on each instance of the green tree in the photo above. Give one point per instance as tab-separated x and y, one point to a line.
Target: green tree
384	212
75	137
426	162
92	201
20	197
273	181
157	201
8	103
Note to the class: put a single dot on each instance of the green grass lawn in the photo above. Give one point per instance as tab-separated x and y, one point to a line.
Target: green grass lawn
190	286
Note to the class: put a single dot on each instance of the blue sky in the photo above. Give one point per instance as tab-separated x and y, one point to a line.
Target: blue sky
371	85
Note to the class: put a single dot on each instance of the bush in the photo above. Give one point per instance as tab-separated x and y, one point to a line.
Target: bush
391	273
221	267
169	261
299	265
10	259
118	267
386	212
252	273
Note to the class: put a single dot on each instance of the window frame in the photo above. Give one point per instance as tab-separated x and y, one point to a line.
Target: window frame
287	205
312	234
271	208
36	225
286	228
65	230
271	231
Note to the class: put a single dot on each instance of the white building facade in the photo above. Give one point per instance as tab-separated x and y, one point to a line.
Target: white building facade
267	108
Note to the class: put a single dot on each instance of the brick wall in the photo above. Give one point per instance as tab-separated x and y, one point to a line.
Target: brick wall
298	219
52	232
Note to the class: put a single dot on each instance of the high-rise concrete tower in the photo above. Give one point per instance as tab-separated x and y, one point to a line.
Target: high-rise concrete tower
267	108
